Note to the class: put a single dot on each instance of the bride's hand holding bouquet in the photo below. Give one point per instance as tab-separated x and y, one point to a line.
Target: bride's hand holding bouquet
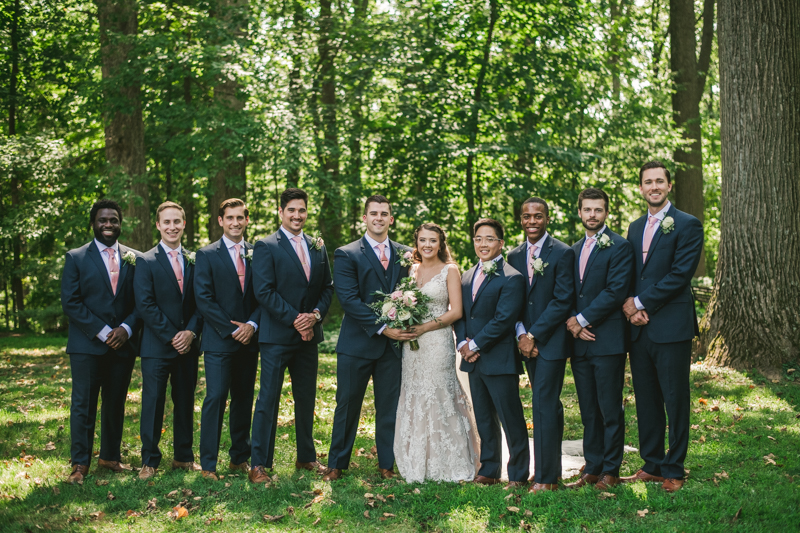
403	308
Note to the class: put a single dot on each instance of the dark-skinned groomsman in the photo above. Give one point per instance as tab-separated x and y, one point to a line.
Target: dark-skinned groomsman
164	289
97	297
667	244
293	286
223	289
544	342
602	279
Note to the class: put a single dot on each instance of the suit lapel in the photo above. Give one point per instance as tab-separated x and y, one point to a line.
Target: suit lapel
374	261
227	261
394	265
248	270
188	268
486	280
578	249
657	236
287	246
94	253
313	258
637	234
543	255
123	269
163	260
467	301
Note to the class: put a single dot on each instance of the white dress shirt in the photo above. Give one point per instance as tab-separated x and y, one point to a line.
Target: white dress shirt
229	244
592	241
106	331
520	327
660	216
472	345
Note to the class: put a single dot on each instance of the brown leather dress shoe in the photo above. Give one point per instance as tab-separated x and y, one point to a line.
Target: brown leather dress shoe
207	474
258	474
313	466
483	480
387	473
515	485
543	487
332	474
76	477
114	466
641	475
242	467
189	465
585	479
607	481
672	485
146	472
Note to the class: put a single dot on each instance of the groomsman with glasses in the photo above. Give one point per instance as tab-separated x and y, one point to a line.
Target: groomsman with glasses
667	244
164	291
223	290
602	279
97	297
293	286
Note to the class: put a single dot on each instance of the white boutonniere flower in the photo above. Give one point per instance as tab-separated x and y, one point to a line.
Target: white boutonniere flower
316	241
538	266
190	257
667	225
248	254
489	268
405	259
604	242
129	257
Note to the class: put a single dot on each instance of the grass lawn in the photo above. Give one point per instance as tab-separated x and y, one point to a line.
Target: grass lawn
744	459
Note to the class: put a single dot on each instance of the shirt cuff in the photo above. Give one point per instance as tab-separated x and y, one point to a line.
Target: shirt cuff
255	326
520	328
380	331
104	333
473	346
127	328
582	321
460	344
638	304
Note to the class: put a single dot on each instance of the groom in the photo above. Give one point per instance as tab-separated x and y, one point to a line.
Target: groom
365	349
491	293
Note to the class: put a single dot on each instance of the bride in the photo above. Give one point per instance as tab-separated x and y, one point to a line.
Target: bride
435	436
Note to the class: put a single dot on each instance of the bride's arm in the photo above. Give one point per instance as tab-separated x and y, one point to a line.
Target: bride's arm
456	309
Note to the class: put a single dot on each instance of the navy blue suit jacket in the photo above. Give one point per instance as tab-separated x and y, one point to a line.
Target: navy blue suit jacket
220	299
489	320
663	283
549	299
602	292
357	274
90	304
164	310
283	292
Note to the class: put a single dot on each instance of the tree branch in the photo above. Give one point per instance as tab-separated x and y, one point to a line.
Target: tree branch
706	40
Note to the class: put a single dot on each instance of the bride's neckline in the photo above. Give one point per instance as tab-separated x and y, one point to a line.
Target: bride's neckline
416	281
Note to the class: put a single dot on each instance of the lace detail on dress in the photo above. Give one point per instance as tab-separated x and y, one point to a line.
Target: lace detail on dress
435	435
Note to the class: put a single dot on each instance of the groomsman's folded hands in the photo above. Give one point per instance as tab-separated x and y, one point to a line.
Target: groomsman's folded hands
117	338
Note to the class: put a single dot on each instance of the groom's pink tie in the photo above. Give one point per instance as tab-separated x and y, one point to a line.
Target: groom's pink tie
239	264
176	267
648	236
302	255
587	251
384	259
113	269
478	280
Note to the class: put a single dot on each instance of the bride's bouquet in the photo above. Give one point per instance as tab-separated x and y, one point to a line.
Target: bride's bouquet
404	307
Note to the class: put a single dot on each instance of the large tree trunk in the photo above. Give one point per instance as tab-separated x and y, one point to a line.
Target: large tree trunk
752	319
296	93
689	75
230	181
359	35
124	127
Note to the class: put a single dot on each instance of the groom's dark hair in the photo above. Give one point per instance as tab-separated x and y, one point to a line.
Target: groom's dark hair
377	199
293	194
592	194
654	164
492	223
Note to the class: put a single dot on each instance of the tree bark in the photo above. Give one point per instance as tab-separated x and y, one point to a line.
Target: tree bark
294	150
124	127
689	76
187	187
753	316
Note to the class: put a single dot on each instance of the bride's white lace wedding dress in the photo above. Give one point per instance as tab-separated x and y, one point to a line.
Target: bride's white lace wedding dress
435	434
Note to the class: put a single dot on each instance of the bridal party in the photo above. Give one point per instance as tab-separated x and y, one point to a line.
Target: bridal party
528	307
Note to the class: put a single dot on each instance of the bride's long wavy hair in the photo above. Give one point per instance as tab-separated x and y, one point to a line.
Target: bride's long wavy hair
444	251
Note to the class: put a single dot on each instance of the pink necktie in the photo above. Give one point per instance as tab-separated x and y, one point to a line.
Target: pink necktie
384	259
587	246
176	267
113	269
478	280
239	264
302	255
648	236
530	263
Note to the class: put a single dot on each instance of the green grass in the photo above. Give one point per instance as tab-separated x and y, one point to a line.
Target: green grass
731	486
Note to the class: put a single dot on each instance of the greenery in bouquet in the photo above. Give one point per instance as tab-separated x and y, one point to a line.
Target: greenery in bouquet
402	308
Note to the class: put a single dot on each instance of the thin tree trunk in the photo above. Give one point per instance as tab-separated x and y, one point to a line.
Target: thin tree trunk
124	127
187	187
689	74
359	34
293	150
752	318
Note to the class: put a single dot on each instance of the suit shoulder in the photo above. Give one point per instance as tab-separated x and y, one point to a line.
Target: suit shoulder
510	271
517	250
150	255
560	245
81	250
686	217
350	247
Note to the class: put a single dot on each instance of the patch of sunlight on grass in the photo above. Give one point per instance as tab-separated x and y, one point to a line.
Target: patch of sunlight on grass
468	518
639	490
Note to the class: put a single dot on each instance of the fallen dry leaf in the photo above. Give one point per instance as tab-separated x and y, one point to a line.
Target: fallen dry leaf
101	482
111	496
50	447
132	514
416	491
642	513
366	514
173	494
607	495
151	505
388	515
513	509
369	495
270	518
528	512
178	512
701	401
722	475
98	515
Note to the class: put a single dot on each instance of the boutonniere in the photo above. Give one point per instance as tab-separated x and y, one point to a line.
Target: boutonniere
189	256
129	257
489	268
247	254
316	241
405	259
538	266
604	242
667	225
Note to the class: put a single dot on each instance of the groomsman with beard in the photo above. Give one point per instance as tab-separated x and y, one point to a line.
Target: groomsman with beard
492	301
164	290
667	244
293	286
366	349
602	279
543	337
224	293
97	297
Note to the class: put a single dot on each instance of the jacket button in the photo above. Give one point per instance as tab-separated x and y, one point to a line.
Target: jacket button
472	318
530	303
642	278
581	295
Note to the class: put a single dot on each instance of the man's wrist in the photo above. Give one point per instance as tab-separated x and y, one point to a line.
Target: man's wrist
638	303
